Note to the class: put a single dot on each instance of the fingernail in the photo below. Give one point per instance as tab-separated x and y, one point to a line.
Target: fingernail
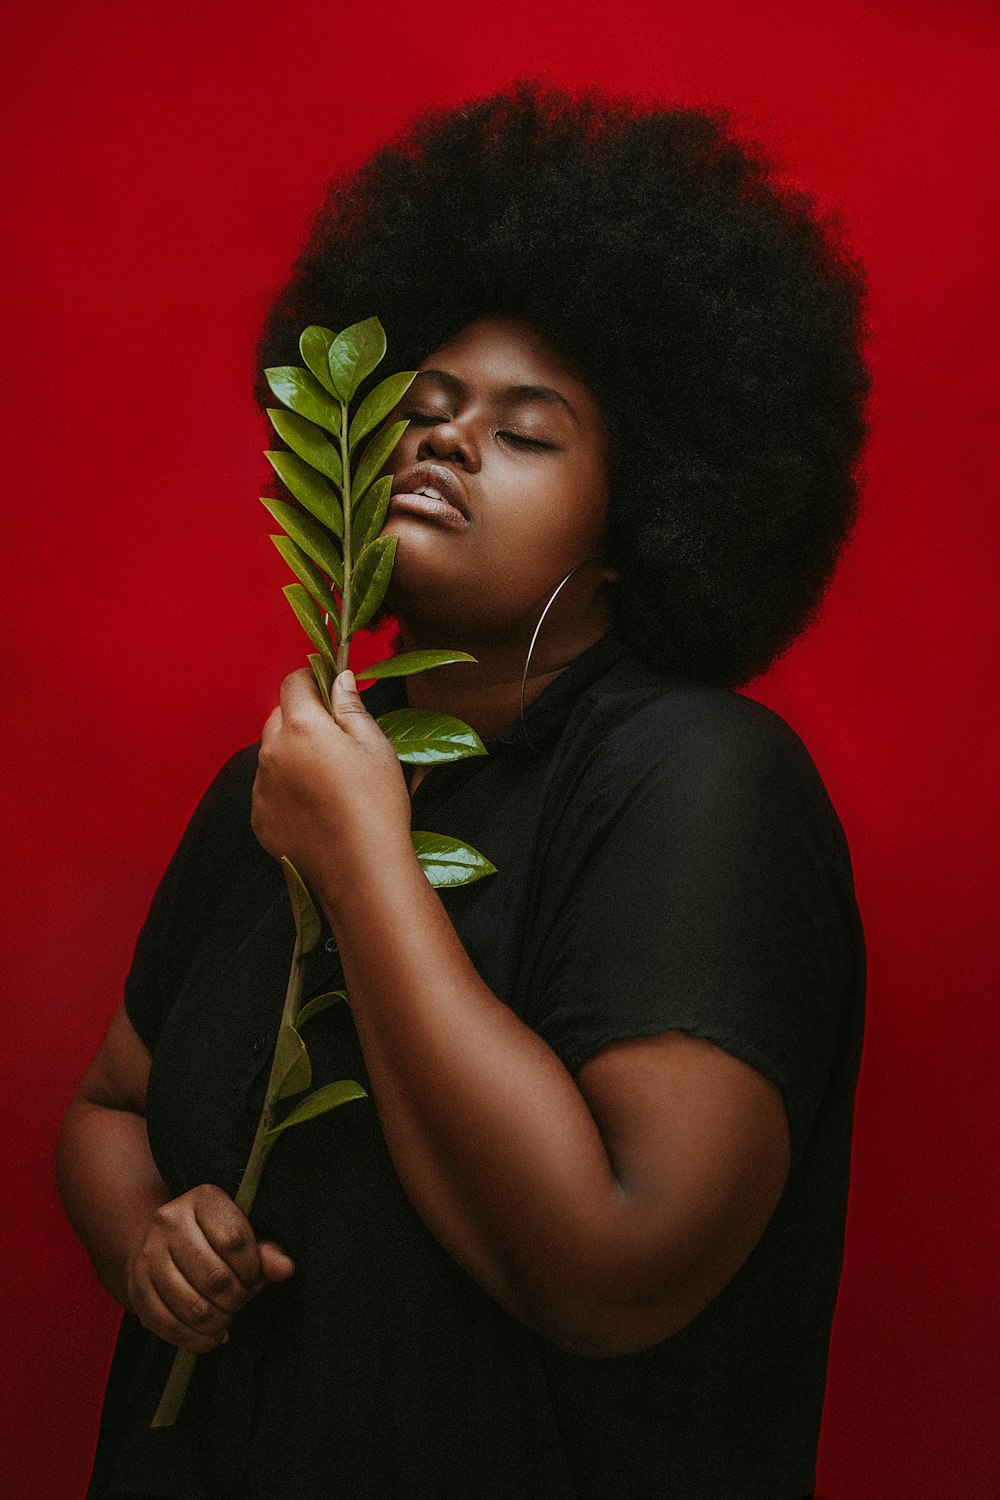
346	681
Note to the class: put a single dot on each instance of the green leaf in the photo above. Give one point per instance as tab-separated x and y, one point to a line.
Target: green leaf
307	440
354	354
314	346
330	1096
371	578
368	518
323	673
314	542
376	454
409	662
446	861
308	926
309	489
307	613
319	1003
378	404
422	738
291	1072
302	392
313	579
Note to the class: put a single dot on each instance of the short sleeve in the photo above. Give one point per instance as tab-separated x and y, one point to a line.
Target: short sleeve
217	841
715	898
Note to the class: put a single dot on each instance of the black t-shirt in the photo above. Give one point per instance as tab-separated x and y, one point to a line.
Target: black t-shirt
667	859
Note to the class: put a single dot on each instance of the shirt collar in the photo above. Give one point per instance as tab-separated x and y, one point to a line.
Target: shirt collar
546	715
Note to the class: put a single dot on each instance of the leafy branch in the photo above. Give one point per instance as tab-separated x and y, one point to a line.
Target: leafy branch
332	466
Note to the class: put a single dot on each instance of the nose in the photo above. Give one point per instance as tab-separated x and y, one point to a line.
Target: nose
450	442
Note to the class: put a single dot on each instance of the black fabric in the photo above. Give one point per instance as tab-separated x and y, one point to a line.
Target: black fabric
667	858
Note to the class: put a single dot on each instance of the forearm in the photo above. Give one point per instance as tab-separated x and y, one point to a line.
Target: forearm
605	1210
109	1185
493	1141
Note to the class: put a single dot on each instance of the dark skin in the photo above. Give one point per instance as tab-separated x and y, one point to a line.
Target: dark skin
641	1183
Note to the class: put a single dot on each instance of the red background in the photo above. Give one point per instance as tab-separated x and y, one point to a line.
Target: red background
164	155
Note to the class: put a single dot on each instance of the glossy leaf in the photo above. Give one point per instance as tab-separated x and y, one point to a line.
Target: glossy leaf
307	440
376	455
319	1003
409	662
291	1071
302	393
368	518
371	578
307	613
323	673
446	861
422	738
308	926
309	488
330	1096
378	404
313	579
314	346
354	354
315	543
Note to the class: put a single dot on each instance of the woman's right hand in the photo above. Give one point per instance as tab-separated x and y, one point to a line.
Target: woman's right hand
197	1265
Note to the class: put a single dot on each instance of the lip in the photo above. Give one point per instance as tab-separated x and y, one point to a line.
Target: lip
452	508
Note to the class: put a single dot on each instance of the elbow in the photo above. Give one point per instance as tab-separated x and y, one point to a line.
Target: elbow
601	1327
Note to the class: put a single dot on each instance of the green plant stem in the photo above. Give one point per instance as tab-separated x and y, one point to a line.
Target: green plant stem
344	644
184	1360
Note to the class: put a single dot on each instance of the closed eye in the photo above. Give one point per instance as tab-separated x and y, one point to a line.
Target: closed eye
425	418
519	440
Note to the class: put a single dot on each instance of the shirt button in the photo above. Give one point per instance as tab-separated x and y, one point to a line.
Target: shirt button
330	945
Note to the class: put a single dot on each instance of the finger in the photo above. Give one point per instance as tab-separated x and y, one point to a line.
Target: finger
230	1236
276	1263
299	693
349	711
153	1313
209	1275
271	727
184	1302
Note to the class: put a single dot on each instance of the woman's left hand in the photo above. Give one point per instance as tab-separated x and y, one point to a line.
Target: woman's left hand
329	791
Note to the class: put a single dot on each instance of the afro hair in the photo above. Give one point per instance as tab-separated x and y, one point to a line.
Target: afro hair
714	314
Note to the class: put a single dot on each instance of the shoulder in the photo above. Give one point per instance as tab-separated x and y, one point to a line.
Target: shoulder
230	788
640	730
217	861
217	850
222	814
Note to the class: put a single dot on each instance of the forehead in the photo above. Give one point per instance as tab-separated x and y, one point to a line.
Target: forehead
500	354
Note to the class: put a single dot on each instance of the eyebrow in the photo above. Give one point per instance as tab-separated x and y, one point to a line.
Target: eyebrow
511	395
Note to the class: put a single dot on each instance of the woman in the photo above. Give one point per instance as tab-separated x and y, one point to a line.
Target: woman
584	1237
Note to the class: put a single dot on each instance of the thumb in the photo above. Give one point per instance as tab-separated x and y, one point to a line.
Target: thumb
274	1262
348	709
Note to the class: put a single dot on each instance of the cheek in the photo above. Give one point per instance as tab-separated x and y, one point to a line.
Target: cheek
577	515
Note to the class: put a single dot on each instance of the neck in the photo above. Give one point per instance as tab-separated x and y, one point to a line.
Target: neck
487	694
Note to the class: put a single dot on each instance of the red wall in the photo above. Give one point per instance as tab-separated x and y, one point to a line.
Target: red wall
164	155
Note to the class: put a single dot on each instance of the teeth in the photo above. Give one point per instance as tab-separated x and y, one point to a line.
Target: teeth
430	492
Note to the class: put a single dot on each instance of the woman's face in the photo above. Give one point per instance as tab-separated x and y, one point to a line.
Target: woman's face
500	485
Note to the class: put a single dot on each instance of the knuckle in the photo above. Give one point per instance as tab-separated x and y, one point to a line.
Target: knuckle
232	1239
202	1311
219	1282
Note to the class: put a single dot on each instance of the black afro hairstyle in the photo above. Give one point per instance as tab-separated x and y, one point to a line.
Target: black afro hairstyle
713	313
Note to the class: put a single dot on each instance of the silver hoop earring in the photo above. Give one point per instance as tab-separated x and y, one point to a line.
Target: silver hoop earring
541	620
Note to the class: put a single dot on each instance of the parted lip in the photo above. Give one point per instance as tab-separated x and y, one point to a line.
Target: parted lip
435	477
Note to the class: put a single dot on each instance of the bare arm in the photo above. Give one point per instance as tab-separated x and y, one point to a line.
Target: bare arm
182	1265
605	1211
107	1179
